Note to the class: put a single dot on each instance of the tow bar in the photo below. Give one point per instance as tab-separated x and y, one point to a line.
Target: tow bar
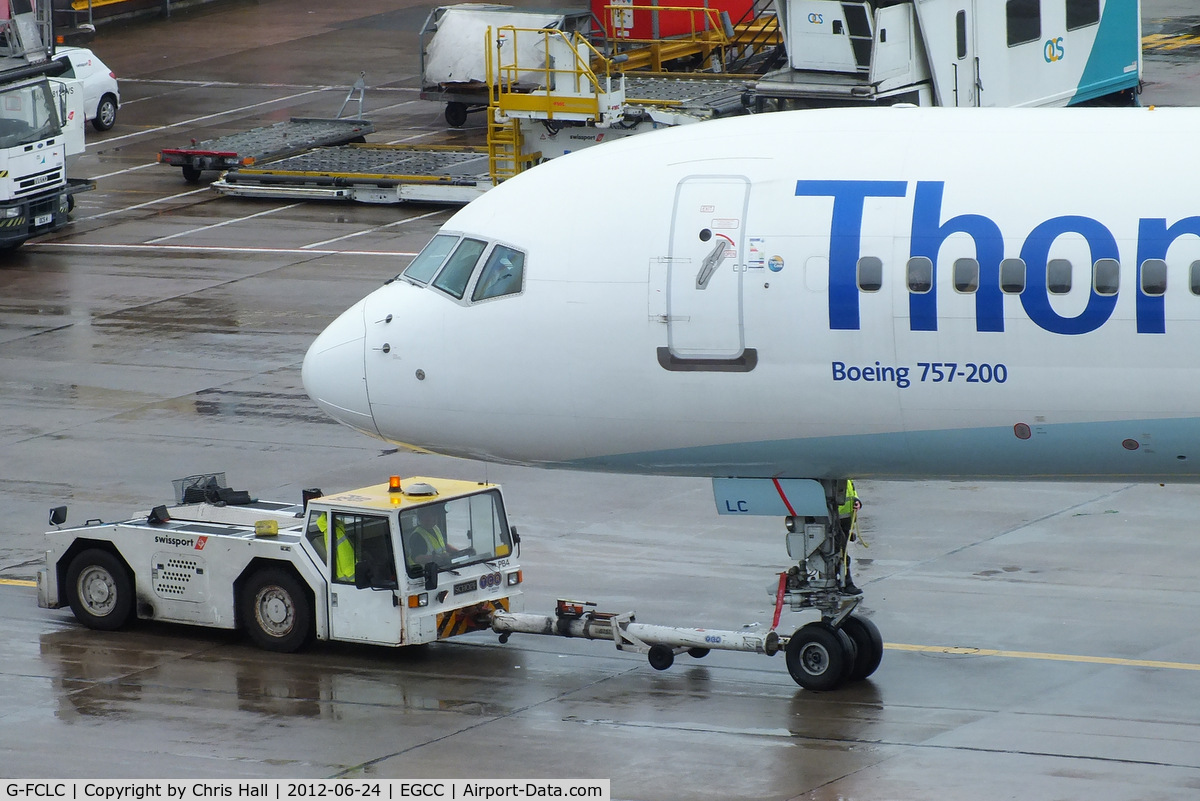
661	644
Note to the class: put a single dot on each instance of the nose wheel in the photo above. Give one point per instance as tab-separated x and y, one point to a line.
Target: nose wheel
821	656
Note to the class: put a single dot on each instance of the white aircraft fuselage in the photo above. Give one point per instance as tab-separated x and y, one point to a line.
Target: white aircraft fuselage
867	293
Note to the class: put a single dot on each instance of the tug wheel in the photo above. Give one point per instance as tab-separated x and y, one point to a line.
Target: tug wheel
100	590
275	611
865	635
818	656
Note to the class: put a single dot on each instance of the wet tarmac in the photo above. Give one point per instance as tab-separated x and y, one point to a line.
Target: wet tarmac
1041	638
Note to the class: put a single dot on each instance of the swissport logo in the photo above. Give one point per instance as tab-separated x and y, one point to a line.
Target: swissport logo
181	542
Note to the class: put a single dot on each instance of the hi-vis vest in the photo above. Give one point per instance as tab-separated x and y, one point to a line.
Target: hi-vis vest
434	541
847	508
343	561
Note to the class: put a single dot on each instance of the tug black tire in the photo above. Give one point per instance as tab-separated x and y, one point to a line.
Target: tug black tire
275	611
100	590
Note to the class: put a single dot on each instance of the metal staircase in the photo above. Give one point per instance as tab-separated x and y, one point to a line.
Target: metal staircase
543	75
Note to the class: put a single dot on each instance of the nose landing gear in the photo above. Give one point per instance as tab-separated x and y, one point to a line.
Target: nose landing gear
841	646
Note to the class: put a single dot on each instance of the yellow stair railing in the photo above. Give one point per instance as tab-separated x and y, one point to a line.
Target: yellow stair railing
543	74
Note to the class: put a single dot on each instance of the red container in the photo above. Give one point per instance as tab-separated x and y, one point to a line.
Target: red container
636	19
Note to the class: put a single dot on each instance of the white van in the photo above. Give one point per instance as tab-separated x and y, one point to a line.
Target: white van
101	97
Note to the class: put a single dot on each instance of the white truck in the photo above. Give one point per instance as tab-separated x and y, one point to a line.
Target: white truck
359	566
35	196
956	53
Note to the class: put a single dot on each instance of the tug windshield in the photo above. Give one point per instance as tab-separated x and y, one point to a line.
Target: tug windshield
458	532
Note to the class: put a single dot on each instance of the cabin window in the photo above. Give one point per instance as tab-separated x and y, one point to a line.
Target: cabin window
454	276
503	274
1024	21
427	262
960	33
920	275
1012	276
1081	13
316	535
1058	276
1154	277
463	531
364	540
966	275
1194	277
870	273
1106	276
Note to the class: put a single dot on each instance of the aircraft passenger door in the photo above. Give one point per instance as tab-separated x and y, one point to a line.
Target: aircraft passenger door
705	263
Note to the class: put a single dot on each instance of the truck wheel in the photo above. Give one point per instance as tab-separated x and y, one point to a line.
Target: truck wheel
275	611
192	175
106	114
456	114
100	590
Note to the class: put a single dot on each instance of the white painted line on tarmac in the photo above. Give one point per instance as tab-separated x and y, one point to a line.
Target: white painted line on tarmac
204	228
241	85
127	169
394	105
212	249
142	205
410	138
373	230
194	120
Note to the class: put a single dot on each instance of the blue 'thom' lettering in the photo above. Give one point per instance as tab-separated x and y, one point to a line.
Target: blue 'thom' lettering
929	233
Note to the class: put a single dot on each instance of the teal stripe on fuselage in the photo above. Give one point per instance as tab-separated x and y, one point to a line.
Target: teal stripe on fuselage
1117	47
1167	451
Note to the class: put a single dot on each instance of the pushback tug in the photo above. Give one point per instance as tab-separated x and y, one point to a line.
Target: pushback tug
403	563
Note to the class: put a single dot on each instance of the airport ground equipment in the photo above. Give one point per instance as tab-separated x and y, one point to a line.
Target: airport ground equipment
453	50
368	173
393	564
37	133
245	148
550	105
410	561
952	53
724	36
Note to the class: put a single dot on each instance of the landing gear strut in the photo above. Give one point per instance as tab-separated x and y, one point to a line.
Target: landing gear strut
841	646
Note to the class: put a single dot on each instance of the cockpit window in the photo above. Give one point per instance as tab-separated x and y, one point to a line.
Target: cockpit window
454	276
426	264
502	275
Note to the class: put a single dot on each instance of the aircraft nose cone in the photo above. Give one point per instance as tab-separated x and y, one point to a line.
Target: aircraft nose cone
334	371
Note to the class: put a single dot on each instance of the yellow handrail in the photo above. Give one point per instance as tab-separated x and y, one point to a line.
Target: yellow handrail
506	76
713	30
